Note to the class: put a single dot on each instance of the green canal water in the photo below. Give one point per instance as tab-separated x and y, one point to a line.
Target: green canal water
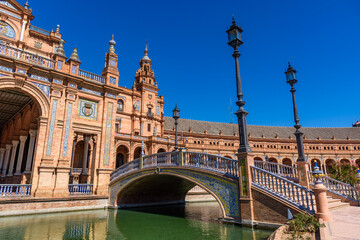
195	221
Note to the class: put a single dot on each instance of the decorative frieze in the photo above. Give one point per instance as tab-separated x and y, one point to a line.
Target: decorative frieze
51	129
108	133
44	88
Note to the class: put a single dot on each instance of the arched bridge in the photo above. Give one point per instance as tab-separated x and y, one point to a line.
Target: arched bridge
167	177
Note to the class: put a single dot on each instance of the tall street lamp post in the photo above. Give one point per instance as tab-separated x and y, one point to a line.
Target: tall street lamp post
176	116
291	79
234	37
302	165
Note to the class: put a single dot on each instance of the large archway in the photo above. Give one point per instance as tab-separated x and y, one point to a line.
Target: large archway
19	125
171	186
137	152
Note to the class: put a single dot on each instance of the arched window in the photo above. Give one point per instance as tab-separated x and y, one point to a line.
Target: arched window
120	105
6	30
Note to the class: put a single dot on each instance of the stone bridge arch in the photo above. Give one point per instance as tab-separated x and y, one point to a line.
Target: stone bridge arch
137	184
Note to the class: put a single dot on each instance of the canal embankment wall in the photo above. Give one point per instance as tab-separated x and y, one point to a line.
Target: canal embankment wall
24	206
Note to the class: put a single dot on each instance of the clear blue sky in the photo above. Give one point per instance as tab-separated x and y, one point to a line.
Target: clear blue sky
193	64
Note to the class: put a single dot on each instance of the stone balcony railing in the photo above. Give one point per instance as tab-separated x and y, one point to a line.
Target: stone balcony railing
35	59
26	56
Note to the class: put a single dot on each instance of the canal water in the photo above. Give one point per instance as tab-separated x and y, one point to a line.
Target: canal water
194	221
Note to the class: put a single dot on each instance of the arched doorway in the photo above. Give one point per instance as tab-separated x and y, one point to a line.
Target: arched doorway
137	152
161	150
273	160
287	161
328	163
258	159
122	154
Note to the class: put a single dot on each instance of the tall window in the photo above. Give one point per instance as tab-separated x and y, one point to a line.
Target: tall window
120	105
149	127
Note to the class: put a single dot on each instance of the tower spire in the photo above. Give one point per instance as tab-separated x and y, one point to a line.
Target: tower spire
112	44
26	5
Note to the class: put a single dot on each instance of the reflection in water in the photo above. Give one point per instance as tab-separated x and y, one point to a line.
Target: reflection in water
190	221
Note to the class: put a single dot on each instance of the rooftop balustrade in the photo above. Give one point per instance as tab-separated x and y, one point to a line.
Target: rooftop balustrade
26	56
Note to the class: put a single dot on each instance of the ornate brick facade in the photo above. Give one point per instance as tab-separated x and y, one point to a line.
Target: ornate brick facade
62	125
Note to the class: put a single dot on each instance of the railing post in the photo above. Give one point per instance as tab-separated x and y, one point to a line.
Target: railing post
358	189
322	210
181	157
141	161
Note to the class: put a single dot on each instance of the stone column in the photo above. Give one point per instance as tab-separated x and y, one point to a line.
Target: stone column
20	156
2	151
86	151
6	160
30	151
12	160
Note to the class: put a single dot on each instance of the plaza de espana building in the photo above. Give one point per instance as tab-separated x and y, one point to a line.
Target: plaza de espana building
63	125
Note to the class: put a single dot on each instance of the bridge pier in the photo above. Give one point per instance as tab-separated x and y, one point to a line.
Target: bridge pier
246	206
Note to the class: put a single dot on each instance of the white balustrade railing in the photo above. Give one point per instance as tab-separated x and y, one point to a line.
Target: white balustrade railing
215	163
278	169
26	56
124	169
283	188
212	162
337	187
91	76
80	189
161	159
15	190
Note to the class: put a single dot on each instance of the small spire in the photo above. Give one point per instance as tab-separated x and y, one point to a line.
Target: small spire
58	28
75	55
146	57
26	4
134	85
60	49
112	44
142	148
233	20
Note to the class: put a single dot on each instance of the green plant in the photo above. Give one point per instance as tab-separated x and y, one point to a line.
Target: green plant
303	223
344	172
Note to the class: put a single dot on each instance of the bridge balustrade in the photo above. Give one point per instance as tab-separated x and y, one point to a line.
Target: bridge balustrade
80	189
279	169
161	159
218	164
212	162
15	190
284	189
337	187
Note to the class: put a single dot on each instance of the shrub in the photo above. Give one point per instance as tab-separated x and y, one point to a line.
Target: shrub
302	223
344	172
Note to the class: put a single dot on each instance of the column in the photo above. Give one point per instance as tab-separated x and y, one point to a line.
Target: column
6	161
22	30
12	159
30	151
2	151
20	156
86	150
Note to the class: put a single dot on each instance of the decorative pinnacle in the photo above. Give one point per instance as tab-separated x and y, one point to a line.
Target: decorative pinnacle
112	44
60	50
58	28
74	55
26	4
146	57
233	20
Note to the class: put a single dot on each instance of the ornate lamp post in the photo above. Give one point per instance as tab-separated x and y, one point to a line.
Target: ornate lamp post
176	116
234	37
291	79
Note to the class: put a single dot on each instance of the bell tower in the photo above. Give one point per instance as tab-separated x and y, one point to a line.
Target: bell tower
111	71
145	76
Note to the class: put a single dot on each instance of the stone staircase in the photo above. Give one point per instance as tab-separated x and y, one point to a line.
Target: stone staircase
280	180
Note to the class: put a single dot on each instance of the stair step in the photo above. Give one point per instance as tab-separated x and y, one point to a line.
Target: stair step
333	206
